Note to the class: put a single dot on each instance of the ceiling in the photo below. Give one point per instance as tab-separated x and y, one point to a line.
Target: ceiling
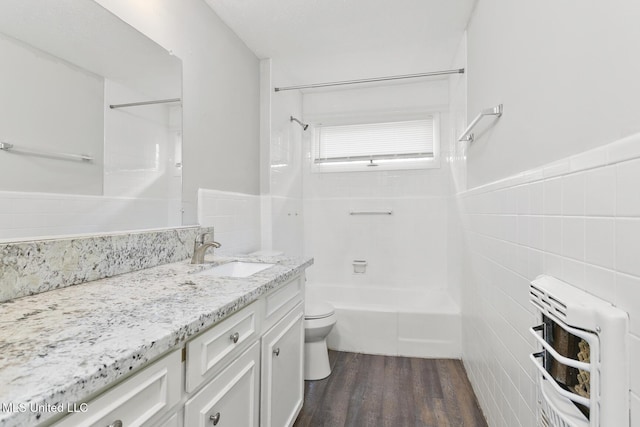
324	40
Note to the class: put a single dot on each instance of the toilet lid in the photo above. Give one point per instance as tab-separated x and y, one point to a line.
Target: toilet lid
317	309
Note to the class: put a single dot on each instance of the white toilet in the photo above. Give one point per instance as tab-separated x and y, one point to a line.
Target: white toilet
319	318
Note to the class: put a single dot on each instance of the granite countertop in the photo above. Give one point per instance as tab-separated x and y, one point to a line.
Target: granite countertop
65	345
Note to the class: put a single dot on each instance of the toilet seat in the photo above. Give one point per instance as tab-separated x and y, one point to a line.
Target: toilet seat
317	310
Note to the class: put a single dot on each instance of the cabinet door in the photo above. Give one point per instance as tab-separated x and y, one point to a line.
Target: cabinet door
231	399
282	371
173	421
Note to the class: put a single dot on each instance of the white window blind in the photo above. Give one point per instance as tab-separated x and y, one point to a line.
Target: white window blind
412	139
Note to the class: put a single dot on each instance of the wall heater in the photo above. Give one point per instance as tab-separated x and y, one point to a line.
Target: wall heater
582	362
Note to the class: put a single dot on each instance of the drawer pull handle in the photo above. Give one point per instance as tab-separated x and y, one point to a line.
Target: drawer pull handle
234	337
277	351
116	423
215	419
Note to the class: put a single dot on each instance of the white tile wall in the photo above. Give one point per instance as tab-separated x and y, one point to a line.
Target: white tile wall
409	248
573	191
600	199
552	196
403	250
282	180
627	179
635	409
34	215
627	245
235	218
577	219
600	241
287	225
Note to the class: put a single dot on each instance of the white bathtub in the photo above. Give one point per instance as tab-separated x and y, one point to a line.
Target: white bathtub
392	321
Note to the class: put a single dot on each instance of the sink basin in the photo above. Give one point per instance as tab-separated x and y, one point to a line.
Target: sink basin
236	269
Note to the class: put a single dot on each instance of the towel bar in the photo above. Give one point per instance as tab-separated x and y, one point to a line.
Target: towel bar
467	135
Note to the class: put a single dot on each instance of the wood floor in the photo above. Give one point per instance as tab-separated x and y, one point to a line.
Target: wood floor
378	391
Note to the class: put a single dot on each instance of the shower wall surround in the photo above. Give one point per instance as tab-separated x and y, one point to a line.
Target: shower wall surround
32	267
407	249
281	163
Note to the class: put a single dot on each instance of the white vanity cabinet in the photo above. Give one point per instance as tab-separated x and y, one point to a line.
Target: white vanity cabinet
137	401
245	371
265	385
282	382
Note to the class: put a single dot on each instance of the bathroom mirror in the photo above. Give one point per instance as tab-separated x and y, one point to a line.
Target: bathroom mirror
90	109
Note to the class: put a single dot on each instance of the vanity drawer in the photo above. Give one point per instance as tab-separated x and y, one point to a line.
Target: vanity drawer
137	400
206	353
279	302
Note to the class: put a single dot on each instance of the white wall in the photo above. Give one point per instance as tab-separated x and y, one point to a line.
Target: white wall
565	72
49	105
577	219
458	118
220	94
281	151
457	159
407	249
568	84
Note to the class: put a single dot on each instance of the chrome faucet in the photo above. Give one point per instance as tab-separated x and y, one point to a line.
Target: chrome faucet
200	247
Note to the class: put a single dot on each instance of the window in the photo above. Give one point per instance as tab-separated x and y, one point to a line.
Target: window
407	144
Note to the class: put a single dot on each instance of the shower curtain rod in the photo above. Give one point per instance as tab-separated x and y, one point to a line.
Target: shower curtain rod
374	79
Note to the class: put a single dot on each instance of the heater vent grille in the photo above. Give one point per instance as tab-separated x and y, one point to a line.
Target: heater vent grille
548	303
579	387
559	413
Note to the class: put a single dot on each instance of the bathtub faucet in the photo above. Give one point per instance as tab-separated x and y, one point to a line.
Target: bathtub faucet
200	247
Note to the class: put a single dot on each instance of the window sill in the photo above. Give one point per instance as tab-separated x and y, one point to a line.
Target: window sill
382	165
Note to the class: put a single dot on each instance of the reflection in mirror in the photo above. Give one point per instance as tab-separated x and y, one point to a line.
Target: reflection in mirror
76	124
